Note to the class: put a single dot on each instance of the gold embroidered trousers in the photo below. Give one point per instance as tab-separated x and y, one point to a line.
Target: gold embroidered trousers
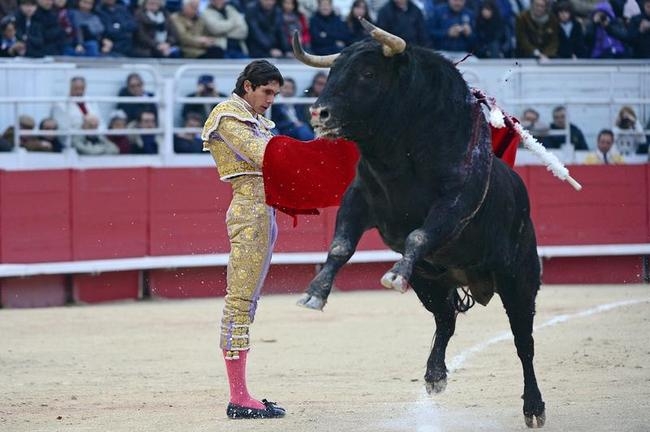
252	231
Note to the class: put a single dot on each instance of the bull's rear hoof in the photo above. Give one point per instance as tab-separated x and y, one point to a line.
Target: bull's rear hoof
395	281
533	421
311	302
436	386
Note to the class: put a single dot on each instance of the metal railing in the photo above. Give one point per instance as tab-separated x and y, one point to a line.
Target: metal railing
169	97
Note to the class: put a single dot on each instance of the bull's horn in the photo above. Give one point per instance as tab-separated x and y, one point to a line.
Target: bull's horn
391	44
310	59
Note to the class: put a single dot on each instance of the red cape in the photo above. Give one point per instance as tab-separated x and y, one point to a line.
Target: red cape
302	176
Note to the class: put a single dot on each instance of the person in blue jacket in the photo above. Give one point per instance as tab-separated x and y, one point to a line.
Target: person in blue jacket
452	27
329	34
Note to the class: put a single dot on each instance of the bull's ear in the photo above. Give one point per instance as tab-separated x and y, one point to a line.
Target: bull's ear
310	59
391	44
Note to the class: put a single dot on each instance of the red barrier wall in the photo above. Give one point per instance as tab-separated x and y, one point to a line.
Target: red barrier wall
110	213
611	208
106	287
35	216
188	283
36	291
62	215
187	211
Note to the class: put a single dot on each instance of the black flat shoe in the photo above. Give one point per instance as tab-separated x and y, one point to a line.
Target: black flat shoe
270	411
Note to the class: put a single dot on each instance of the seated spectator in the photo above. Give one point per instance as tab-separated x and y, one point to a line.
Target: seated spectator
144	143
192	33
155	36
49	143
10	46
5	145
29	142
135	88
313	91
606	152
93	144
265	35
64	17
8	7
117	121
452	27
29	32
639	32
119	27
329	34
625	9
537	32
70	115
228	27
88	31
32	142
53	34
359	9
404	19
294	20
571	36
205	87
605	34
629	136
537	128
289	118
576	138
492	35
189	142
317	85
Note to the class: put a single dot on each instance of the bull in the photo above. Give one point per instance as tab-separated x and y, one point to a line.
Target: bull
428	181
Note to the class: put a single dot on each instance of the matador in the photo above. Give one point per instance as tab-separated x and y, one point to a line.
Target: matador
236	134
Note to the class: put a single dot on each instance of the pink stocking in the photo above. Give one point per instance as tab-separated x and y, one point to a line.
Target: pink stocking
236	370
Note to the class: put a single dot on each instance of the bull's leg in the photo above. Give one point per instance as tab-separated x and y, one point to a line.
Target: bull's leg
439	226
518	297
437	298
351	222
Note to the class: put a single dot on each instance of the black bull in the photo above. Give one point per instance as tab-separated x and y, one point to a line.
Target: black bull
429	183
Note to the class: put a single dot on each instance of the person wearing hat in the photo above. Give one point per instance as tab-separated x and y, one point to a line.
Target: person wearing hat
205	87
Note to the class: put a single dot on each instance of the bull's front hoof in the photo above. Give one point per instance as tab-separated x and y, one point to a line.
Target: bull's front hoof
534	412
436	386
535	421
394	281
311	302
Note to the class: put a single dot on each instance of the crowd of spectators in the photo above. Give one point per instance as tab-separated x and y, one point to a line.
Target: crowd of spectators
124	130
539	29
614	144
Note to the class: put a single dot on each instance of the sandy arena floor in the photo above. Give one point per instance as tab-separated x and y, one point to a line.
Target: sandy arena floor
357	366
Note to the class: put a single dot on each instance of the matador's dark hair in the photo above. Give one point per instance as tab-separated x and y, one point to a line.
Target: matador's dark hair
259	73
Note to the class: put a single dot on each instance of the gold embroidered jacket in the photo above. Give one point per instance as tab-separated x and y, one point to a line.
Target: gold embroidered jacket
236	138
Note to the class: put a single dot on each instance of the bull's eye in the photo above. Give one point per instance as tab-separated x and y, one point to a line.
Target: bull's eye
368	74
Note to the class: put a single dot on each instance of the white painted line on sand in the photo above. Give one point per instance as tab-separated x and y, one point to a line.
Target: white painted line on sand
462	357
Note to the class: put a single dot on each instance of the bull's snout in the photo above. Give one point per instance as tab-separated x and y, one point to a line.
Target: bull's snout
319	115
323	122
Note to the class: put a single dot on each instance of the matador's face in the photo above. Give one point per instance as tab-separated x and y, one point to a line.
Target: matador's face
262	97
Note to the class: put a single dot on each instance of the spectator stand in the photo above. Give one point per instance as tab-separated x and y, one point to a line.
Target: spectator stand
592	95
24	95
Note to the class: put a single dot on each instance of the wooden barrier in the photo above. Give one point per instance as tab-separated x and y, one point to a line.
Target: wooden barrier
59	217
